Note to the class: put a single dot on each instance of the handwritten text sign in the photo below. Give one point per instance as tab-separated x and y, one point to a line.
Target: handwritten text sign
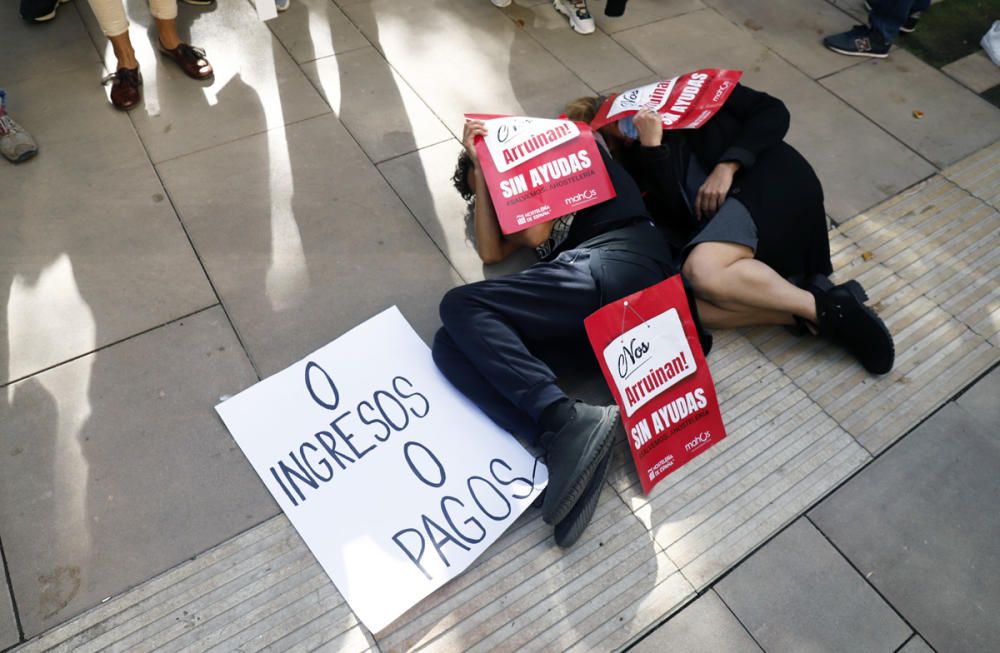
395	481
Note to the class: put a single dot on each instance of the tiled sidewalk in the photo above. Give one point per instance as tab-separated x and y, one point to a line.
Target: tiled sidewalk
156	261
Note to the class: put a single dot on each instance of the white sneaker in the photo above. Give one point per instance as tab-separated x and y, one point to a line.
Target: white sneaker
991	42
500	3
576	10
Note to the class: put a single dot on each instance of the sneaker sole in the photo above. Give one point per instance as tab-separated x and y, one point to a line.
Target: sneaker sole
569	530
605	433
565	13
855	53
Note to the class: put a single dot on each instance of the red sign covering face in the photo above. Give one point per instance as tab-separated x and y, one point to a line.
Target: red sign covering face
648	349
539	169
684	102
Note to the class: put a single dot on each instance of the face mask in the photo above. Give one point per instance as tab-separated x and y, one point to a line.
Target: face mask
627	127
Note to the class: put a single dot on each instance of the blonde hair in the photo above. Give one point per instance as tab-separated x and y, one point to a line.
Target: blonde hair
582	109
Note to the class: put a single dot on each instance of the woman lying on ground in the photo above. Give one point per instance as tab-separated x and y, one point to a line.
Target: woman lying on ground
744	212
496	333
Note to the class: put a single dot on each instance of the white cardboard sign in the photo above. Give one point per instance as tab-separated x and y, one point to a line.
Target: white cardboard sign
393	478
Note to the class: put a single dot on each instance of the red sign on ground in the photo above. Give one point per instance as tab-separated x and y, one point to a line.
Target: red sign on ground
684	102
539	169
648	349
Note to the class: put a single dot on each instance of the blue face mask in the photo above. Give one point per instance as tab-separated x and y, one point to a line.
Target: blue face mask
627	127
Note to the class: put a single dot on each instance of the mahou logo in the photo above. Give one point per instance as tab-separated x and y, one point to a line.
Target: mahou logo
584	196
648	359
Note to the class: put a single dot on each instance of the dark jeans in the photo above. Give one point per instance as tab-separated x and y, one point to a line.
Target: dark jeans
500	336
887	16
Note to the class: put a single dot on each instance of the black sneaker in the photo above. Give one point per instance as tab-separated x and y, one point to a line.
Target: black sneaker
911	20
844	318
573	454
569	530
39	11
861	41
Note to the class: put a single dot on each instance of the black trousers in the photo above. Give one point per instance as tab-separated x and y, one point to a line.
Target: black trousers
500	336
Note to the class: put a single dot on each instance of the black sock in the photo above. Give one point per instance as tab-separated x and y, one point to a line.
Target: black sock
556	414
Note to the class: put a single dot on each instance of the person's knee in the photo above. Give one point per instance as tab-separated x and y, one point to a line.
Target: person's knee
705	276
455	306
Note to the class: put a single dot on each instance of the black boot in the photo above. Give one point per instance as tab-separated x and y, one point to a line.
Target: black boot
569	530
844	318
572	454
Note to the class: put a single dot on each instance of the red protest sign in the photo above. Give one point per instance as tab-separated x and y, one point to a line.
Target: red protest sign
684	102
539	169
648	349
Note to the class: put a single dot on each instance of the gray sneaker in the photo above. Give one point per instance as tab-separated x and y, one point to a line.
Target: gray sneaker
15	143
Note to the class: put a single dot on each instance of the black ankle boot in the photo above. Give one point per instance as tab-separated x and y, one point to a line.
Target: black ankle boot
572	455
844	318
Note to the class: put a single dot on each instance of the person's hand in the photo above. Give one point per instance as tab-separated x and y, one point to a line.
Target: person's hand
713	192
650	127
472	129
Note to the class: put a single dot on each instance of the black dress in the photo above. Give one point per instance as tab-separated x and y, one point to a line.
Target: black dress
775	183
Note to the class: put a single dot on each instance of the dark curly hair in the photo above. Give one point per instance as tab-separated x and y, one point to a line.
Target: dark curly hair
460	179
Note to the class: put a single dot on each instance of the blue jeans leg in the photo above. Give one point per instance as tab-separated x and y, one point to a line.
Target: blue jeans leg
887	16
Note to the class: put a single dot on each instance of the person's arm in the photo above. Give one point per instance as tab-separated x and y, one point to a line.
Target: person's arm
658	170
491	244
764	122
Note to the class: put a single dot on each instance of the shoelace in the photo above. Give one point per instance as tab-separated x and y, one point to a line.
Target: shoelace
581	8
124	75
8	126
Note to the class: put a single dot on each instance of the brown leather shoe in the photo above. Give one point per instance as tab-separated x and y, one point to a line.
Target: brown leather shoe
125	85
191	60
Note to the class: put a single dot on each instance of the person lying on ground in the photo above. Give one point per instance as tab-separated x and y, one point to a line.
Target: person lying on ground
500	336
744	213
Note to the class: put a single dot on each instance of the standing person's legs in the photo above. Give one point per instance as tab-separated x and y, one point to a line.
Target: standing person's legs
190	59
126	80
887	16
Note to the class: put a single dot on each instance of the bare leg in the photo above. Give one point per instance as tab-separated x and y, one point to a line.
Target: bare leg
166	29
727	275
122	46
716	317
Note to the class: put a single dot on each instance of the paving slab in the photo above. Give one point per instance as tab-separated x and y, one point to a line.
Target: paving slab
857	162
313	29
90	250
33	50
944	242
953	121
705	626
979	174
500	69
214	602
423	181
641	12
90	502
975	71
308	240
916	645
597	58
527	594
798	594
937	354
256	86
914	523
8	622
980	400
793	29
376	106
781	453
